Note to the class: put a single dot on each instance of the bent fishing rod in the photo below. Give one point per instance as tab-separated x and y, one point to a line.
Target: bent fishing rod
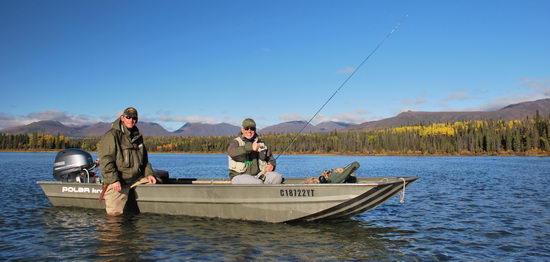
343	84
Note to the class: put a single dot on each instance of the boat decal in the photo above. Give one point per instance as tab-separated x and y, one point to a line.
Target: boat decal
74	189
341	209
382	197
297	192
344	207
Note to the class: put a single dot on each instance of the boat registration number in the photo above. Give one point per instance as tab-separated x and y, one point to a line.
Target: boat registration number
297	192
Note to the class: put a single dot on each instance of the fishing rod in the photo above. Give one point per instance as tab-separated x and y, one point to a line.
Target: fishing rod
343	84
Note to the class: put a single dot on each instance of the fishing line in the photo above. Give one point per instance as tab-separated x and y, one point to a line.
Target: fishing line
343	84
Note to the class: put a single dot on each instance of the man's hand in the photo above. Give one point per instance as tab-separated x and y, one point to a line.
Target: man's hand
255	145
117	186
152	179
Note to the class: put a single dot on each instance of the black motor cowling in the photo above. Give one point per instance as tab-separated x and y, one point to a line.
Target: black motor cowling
73	165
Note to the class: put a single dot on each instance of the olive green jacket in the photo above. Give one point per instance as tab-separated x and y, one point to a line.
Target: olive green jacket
244	154
123	156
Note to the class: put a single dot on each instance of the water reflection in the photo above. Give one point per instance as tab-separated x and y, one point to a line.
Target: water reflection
216	239
90	234
462	208
120	239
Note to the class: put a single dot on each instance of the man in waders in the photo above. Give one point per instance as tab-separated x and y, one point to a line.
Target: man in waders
123	162
250	159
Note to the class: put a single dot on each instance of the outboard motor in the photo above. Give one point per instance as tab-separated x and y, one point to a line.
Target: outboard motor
74	165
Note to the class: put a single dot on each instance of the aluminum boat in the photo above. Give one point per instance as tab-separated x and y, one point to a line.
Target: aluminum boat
294	200
217	198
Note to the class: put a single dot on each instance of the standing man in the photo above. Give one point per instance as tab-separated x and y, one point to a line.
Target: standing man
123	161
250	159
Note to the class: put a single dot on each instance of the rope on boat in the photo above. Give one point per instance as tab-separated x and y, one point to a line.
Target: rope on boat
402	199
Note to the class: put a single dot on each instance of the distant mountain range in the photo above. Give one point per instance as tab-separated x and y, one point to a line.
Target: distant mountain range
296	126
512	112
199	129
53	127
147	128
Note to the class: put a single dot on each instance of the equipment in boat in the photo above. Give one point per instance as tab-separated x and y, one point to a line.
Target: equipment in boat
340	175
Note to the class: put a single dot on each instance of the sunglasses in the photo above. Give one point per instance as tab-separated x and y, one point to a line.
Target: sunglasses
133	118
250	128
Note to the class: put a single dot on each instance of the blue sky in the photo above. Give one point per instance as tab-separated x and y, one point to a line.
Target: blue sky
81	62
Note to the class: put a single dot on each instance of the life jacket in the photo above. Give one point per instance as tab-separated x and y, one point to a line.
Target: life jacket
240	167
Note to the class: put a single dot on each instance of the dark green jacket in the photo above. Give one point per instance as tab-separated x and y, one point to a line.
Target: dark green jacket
123	156
244	154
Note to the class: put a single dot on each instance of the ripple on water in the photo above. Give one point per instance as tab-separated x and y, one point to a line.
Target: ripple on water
462	208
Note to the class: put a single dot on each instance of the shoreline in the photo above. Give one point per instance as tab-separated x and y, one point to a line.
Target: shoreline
463	154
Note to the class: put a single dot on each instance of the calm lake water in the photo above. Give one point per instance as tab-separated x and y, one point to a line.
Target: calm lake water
461	208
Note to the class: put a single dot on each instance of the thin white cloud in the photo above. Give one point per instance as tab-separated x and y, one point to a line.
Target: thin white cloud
500	102
350	117
4	117
541	85
456	96
358	116
320	118
259	118
536	83
169	122
7	121
346	71
538	88
292	117
185	119
402	110
413	101
17	121
460	95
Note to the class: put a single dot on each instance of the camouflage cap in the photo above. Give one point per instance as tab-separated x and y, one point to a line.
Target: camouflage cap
249	123
130	112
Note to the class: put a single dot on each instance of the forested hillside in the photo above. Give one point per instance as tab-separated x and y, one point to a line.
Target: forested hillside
528	136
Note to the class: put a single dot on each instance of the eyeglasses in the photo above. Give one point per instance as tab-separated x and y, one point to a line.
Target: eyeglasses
250	128
133	118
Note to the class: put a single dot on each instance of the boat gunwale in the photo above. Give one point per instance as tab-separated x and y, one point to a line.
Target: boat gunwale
386	181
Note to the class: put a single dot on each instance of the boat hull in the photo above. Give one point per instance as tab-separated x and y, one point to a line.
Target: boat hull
292	201
72	194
